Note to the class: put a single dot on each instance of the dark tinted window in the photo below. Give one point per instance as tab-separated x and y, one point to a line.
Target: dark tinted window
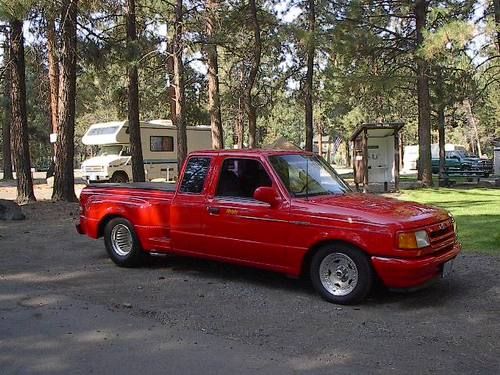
240	178
161	143
195	175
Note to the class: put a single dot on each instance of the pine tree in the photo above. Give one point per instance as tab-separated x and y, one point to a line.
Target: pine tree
64	179
19	134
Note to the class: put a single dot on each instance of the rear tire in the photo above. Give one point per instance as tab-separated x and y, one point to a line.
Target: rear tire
341	274
119	177
122	244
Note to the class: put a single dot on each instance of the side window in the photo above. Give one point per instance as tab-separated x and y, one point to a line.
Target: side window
240	177
161	143
195	175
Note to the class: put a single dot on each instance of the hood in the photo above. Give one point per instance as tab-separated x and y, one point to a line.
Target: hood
375	209
105	160
471	160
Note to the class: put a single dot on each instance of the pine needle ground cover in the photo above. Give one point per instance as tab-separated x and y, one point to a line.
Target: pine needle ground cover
477	212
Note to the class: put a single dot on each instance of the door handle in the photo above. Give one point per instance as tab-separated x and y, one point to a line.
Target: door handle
213	210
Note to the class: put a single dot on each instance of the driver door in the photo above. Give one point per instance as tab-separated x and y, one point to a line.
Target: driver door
240	227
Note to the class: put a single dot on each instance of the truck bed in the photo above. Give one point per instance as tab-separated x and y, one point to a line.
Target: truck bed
162	186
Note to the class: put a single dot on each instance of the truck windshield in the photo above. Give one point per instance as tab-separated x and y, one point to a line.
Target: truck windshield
308	175
110	150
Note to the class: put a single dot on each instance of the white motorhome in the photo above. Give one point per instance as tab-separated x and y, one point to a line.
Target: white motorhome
159	149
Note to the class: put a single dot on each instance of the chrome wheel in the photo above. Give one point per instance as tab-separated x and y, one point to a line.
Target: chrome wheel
121	240
338	274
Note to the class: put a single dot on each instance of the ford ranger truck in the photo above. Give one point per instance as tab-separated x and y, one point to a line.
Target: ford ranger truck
283	211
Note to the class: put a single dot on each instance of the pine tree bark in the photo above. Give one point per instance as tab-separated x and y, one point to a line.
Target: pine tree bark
472	121
441	141
441	126
179	83
6	146
424	110
212	8
134	126
308	85
19	135
496	6
250	108
171	87
240	124
53	74
64	178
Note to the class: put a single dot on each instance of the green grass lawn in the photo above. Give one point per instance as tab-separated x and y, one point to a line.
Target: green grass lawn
477	212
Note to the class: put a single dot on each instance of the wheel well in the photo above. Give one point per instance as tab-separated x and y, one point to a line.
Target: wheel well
309	255
103	223
122	173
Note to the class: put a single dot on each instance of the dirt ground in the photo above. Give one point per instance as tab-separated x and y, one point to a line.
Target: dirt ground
42	190
66	308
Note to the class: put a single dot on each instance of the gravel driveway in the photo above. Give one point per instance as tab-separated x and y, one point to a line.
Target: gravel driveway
66	308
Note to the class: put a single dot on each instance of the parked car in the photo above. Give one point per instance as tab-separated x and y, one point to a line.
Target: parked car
460	160
285	211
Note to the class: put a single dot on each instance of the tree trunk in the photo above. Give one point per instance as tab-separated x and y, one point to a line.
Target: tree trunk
53	74
254	69
308	85
171	87
180	98
441	140
472	122
441	126
134	125
64	179
20	144
496	6
240	125
213	75
424	111
6	146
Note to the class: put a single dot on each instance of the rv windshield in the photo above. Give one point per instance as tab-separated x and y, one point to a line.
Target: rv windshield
110	150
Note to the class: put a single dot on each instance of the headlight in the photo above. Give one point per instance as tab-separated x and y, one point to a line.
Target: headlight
454	222
413	240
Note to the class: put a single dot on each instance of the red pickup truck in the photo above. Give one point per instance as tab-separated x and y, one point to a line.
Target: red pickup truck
279	210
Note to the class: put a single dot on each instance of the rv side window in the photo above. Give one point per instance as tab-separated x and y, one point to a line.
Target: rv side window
195	175
161	143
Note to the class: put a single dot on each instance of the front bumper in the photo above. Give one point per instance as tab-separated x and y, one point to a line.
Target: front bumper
95	177
412	272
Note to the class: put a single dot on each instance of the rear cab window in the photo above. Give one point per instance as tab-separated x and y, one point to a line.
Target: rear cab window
195	175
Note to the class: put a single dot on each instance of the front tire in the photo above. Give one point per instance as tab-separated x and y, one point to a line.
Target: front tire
341	274
119	177
122	244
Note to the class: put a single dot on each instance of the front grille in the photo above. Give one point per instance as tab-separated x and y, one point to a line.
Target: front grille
93	169
486	164
441	234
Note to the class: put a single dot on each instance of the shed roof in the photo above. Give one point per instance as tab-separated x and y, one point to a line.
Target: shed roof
384	129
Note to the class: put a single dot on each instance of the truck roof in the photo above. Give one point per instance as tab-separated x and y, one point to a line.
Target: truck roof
248	152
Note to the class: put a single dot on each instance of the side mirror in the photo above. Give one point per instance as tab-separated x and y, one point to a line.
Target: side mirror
267	194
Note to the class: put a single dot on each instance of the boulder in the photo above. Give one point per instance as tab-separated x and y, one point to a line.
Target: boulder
10	210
